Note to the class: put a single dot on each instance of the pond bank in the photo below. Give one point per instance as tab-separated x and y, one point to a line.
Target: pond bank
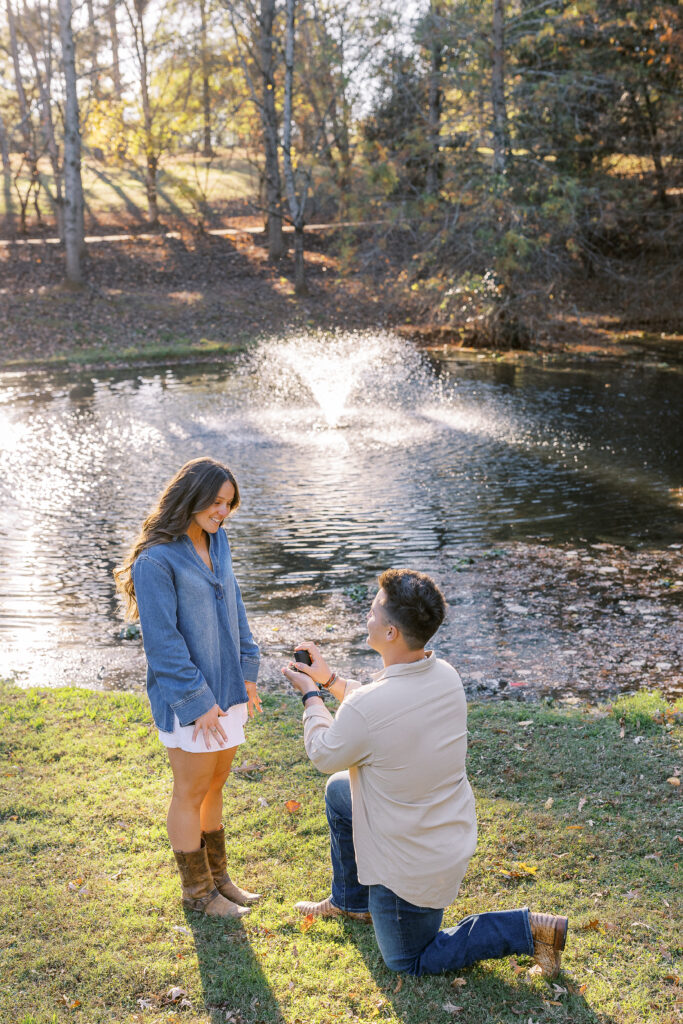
526	621
195	297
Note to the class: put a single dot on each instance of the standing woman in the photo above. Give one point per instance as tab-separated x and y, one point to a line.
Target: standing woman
202	665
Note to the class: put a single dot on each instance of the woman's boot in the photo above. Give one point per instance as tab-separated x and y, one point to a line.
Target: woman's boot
199	891
215	850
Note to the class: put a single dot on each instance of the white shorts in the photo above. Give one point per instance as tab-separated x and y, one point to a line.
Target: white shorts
232	725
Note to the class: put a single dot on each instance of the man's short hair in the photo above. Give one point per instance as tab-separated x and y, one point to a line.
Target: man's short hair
414	605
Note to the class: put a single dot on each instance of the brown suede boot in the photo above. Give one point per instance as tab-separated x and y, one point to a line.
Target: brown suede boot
199	891
550	935
215	851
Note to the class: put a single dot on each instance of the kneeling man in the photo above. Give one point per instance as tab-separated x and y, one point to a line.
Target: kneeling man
399	805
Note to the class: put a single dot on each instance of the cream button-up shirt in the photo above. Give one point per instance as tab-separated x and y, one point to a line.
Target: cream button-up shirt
403	739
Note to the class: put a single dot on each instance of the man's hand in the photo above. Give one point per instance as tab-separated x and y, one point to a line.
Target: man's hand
301	683
319	671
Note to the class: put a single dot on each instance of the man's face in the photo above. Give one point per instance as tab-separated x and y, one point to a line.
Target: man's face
377	623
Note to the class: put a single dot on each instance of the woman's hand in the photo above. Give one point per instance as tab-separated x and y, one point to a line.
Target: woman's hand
254	699
209	725
319	671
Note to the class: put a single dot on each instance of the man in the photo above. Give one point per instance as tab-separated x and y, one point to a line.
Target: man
402	817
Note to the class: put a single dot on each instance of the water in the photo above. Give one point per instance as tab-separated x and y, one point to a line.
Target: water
352	453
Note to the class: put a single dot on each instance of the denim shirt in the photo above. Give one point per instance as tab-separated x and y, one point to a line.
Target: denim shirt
195	633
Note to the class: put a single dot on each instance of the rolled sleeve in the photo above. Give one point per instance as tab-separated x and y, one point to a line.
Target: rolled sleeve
334	744
183	686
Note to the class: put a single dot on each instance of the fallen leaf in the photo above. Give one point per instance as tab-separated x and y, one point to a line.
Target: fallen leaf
292	805
262	802
451	1008
549	803
175	993
399	986
559	990
529	721
674	781
520	870
182	929
582	803
622	731
247	769
574	826
307	922
535	971
458	982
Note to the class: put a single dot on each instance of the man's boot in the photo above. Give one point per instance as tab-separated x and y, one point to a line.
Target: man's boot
199	891
549	933
215	851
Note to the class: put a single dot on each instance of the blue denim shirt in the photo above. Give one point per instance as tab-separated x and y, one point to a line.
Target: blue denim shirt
197	640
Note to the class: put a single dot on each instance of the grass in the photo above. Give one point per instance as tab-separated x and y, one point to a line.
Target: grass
115	192
573	817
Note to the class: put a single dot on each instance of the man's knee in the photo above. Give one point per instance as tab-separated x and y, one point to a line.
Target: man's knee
338	794
400	963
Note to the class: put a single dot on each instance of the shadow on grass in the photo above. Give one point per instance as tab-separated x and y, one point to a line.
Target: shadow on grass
233	984
478	994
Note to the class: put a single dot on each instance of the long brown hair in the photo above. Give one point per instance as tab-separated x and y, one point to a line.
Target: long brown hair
192	489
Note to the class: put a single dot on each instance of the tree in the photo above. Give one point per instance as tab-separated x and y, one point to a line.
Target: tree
253	23
73	191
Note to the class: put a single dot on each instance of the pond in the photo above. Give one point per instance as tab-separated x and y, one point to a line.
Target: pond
353	453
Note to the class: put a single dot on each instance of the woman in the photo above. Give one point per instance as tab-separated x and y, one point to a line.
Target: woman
202	665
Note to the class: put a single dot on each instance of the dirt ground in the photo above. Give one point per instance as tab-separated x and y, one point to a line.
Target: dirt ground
193	295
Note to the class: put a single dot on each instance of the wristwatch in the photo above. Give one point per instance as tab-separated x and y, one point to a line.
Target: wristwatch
311	693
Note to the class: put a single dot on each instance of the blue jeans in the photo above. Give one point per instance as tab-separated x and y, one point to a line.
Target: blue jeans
408	936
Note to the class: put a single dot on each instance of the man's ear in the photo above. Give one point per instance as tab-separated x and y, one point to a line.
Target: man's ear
392	632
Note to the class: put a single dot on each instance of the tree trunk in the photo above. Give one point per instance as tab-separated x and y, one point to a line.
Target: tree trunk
151	159
114	37
206	92
434	168
92	48
501	143
25	126
6	180
276	241
655	148
297	203
300	286
44	83
73	189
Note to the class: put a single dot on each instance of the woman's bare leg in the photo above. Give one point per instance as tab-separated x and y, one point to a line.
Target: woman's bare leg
192	778
211	810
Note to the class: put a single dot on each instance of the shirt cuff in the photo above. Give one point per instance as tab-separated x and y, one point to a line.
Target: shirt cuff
190	708
250	667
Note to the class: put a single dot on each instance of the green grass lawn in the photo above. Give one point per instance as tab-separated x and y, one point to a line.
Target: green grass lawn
573	818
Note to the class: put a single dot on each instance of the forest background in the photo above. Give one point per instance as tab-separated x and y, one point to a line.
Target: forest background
495	173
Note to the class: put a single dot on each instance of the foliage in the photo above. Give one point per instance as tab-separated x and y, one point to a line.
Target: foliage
645	711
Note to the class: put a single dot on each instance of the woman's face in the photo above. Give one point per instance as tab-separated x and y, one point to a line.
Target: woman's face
210	518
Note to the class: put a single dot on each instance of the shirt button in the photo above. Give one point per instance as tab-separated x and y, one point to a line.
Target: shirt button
219	592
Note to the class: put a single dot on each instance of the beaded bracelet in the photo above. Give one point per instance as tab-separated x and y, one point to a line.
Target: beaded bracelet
331	681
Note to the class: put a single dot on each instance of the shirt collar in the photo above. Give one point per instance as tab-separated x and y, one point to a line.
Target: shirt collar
406	668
